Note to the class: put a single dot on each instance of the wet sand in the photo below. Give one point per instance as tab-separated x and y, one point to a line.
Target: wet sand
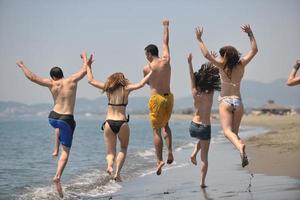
226	179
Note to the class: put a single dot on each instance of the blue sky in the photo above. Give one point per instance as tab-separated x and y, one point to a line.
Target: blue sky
49	33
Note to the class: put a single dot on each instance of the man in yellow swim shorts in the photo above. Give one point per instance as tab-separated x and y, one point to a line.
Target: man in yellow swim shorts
161	99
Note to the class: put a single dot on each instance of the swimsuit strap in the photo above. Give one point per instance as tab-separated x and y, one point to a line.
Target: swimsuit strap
232	84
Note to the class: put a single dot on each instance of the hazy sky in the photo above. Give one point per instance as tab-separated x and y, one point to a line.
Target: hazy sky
50	33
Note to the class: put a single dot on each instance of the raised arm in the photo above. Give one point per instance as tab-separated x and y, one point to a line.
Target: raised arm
293	80
140	84
203	48
192	77
90	76
33	77
248	57
166	50
82	72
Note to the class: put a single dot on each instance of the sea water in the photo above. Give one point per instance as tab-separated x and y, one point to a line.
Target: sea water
27	166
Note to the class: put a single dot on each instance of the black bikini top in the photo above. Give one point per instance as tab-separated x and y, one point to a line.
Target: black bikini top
121	104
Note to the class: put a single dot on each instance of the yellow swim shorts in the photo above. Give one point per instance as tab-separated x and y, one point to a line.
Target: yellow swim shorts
160	109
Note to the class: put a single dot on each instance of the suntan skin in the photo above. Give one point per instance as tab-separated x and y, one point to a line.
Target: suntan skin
231	87
293	80
116	113
202	104
64	94
159	83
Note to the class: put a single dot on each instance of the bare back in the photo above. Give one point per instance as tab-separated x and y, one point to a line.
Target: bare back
231	87
64	94
118	97
159	82
202	104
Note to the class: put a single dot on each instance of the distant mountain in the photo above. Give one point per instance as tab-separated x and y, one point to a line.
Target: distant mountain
254	94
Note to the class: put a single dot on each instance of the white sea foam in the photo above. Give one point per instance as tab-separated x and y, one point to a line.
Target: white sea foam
92	184
146	154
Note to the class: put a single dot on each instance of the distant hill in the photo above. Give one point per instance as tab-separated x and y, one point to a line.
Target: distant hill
254	94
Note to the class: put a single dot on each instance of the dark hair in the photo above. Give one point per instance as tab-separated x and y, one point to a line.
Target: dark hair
207	78
151	48
56	72
232	58
115	81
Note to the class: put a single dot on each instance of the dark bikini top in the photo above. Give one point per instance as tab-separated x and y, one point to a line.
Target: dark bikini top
121	104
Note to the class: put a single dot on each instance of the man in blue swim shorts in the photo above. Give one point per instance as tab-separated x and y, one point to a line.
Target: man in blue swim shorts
63	91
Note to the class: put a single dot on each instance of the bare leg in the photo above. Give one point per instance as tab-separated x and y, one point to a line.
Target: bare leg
229	123
167	133
110	139
204	161
158	143
60	168
226	118
56	144
237	117
194	154
123	136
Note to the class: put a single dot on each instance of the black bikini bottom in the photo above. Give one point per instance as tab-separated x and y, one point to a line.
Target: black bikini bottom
115	125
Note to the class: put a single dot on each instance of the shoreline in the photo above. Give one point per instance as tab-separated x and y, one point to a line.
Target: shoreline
274	153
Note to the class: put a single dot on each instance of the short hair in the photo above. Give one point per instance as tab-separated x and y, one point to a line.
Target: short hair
56	72
151	48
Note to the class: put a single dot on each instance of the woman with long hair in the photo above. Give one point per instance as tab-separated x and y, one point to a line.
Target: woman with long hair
231	67
203	84
117	89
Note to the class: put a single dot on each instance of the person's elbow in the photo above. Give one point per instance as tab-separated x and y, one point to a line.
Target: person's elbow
290	82
255	50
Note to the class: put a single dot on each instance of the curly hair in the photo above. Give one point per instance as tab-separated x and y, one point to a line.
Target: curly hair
232	58
115	81
207	78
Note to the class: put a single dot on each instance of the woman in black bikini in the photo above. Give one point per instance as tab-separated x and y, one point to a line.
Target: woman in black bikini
117	88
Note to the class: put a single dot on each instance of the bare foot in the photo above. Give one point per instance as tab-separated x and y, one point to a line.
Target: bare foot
109	170
244	158
57	183
117	178
159	167
170	158
193	159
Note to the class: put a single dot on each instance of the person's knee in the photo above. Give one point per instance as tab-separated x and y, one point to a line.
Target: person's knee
124	148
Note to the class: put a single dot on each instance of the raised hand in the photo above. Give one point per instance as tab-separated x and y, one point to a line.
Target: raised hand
199	32
190	58
214	54
165	22
246	28
90	60
83	56
297	65
20	63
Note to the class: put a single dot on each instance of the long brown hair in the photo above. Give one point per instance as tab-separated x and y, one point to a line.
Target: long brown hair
232	59
115	81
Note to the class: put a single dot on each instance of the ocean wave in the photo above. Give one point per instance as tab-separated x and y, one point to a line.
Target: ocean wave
89	185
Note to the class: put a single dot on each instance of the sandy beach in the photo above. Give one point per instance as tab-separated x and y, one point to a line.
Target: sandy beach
278	151
272	173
